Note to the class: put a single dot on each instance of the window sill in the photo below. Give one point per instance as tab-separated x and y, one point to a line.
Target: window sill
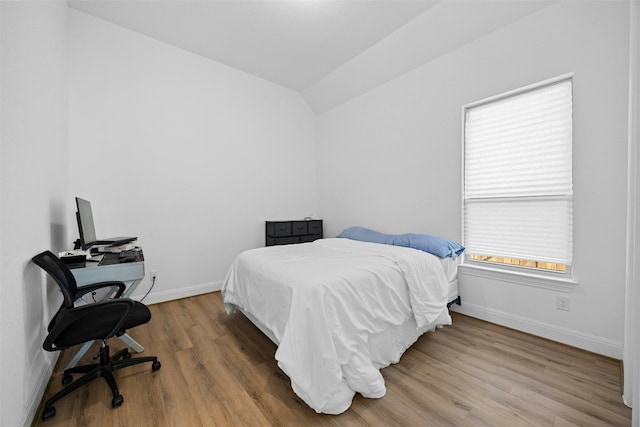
561	284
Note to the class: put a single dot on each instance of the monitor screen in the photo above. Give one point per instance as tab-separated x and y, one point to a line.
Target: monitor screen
86	228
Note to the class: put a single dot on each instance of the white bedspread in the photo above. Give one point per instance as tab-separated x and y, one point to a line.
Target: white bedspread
325	301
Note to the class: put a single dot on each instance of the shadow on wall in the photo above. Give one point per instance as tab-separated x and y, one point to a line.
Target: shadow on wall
40	297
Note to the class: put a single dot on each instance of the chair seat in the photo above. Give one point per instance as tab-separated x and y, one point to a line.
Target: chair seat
90	330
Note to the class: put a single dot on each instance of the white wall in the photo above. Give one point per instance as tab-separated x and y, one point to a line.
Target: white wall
391	160
631	357
34	186
188	154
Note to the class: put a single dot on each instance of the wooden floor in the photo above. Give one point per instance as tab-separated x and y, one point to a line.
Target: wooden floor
219	370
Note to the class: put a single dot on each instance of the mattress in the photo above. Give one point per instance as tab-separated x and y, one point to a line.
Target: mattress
339	311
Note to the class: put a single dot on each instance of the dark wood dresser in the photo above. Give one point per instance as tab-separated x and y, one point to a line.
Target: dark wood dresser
288	232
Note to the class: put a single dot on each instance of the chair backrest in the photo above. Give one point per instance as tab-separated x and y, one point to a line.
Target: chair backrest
57	269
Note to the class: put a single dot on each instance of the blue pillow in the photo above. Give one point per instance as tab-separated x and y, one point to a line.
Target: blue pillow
444	248
365	235
439	246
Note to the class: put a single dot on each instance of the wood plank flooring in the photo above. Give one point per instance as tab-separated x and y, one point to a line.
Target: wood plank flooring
219	370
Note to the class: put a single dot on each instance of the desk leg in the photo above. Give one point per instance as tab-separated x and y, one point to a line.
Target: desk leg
126	338
135	346
131	343
79	355
132	287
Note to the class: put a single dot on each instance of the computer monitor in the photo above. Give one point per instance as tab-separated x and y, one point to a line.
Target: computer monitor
87	229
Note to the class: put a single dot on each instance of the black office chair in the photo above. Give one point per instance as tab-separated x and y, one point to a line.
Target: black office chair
98	320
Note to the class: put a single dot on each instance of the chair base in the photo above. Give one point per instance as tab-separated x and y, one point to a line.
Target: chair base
106	367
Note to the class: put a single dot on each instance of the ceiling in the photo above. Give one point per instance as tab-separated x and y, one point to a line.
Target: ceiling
314	46
290	42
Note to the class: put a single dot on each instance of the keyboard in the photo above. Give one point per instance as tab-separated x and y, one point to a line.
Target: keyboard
110	258
130	253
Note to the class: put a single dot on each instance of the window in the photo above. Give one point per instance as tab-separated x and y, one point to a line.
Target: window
518	190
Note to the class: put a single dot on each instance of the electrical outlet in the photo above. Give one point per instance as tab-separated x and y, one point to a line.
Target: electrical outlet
154	275
563	302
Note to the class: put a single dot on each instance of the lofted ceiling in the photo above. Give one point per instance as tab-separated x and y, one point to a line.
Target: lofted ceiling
317	47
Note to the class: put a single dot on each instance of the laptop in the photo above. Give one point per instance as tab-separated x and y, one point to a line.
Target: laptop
87	230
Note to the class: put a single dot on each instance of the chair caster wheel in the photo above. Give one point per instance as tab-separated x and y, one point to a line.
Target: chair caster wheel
67	379
127	355
155	366
48	413
117	401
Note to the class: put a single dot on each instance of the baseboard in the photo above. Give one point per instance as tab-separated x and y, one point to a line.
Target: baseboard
31	409
158	297
570	337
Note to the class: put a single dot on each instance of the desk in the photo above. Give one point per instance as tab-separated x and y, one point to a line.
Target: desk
131	273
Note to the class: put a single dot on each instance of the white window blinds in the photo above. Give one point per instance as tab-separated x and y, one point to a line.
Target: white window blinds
518	175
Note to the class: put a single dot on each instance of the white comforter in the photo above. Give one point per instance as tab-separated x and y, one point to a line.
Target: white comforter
325	301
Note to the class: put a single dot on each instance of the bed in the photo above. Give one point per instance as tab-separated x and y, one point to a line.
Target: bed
339	310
